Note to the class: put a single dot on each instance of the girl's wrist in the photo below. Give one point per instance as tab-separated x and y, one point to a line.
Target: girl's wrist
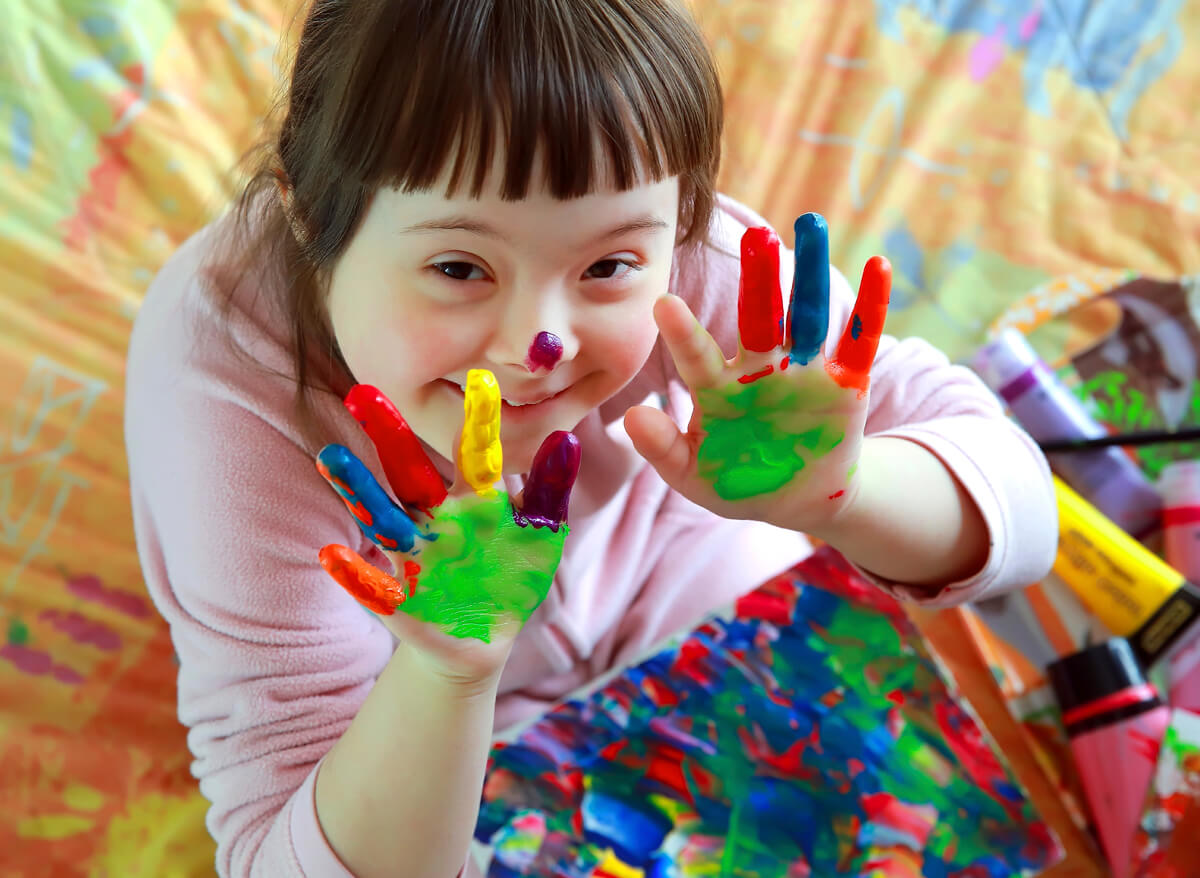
476	676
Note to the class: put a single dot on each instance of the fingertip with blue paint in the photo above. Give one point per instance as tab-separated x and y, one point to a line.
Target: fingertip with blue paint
808	312
377	515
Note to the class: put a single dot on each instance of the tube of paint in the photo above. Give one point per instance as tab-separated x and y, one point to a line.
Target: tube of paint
1179	486
1049	411
1127	587
1115	721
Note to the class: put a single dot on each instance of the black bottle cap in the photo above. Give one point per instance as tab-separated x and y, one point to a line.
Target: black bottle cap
1096	672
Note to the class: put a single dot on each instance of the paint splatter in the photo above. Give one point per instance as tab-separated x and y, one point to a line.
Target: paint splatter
759	436
811	734
1172	815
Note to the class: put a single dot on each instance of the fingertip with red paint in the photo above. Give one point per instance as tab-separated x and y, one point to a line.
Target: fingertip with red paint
760	300
410	472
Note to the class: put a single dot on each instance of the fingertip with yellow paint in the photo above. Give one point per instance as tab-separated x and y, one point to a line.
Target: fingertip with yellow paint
481	457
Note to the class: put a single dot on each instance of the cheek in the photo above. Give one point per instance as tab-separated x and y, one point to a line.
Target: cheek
620	344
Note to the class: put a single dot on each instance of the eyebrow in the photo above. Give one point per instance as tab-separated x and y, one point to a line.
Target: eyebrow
646	223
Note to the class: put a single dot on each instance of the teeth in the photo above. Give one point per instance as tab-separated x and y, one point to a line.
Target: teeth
507	401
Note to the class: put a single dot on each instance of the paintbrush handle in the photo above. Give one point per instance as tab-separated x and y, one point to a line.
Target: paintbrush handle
1153	437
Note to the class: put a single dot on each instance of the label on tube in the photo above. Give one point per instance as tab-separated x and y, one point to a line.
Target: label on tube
1131	590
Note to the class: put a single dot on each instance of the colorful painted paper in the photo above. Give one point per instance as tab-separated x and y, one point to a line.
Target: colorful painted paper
1165	845
810	734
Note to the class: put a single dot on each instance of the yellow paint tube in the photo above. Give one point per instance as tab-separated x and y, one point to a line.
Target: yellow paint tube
1131	590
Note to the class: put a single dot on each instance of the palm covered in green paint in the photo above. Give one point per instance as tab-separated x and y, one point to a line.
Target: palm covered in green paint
469	566
777	431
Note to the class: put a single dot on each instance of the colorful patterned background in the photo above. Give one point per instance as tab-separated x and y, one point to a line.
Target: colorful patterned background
1009	156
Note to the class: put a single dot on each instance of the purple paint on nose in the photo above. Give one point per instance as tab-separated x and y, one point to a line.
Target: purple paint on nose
545	352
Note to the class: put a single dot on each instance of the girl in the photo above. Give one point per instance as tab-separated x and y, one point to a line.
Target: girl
502	194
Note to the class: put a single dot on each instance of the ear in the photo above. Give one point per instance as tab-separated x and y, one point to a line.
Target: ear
287	202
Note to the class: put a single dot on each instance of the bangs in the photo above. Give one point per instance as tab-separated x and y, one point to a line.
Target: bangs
599	94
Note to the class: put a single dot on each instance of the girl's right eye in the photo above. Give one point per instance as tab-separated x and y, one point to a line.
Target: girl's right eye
458	270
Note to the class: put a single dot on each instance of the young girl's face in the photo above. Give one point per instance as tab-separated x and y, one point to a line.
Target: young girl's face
431	286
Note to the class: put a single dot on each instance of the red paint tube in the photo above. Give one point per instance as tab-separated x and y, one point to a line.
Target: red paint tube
1115	720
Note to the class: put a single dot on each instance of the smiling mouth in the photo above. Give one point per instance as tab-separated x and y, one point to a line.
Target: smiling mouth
510	403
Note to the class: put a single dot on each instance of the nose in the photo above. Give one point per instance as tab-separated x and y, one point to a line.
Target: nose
535	333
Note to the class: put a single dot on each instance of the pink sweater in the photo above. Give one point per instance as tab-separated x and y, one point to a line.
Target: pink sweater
275	658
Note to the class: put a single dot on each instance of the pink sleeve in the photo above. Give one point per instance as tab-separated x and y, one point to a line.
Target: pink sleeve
918	395
274	658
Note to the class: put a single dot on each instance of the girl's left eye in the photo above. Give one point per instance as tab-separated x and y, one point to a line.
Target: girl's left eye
607	269
459	270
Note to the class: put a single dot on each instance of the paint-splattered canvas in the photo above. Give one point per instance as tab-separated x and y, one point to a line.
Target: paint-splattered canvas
809	734
1165	843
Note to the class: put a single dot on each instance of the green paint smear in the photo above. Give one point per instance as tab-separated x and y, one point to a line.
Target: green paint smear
1177	743
18	632
758	436
484	569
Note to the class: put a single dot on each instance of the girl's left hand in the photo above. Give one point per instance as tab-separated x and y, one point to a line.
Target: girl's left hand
777	431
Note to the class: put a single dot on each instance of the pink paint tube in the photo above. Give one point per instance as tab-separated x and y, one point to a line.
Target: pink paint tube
1115	721
1048	411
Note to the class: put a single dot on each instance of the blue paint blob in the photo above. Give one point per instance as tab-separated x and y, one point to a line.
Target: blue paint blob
633	834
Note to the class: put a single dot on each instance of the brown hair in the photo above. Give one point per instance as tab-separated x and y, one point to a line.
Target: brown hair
394	92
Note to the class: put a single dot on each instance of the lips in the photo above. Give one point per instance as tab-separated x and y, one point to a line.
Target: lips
516	402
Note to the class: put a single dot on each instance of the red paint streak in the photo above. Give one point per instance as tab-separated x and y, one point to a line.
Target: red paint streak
90	588
82	629
666	767
836	495
760	300
885	809
386	542
411	571
832	698
855	766
38	664
784	363
1126	697
570	784
410	472
359	511
367	584
663	696
690	661
609	751
332	479
1144	745
754	376
774	602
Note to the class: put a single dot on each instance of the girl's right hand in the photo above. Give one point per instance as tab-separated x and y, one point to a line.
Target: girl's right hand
469	565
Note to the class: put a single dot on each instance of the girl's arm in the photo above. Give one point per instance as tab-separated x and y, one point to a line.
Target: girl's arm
912	521
398	795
